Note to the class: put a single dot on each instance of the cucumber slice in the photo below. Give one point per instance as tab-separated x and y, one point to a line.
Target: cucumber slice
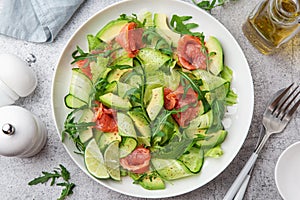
193	160
80	86
210	81
125	125
123	88
111	160
73	102
127	145
215	139
152	59
170	169
99	69
94	161
87	116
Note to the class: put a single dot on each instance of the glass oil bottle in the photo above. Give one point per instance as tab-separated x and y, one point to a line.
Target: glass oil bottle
272	23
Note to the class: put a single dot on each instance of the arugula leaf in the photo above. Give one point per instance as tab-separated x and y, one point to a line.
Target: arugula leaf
173	150
133	18
151	37
95	43
45	178
79	54
218	109
72	128
64	174
100	87
162	120
209	5
178	24
195	86
68	190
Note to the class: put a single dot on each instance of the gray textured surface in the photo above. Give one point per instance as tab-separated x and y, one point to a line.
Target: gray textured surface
270	73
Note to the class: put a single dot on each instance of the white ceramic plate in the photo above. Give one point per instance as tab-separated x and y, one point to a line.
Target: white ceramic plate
234	57
287	173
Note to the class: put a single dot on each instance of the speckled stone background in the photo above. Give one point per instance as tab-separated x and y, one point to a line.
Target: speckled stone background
270	73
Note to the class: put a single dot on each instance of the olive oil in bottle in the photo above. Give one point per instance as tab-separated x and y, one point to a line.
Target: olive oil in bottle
272	23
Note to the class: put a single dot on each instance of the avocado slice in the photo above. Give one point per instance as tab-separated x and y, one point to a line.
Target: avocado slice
116	74
162	27
215	65
140	123
156	102
114	101
150	180
106	138
111	30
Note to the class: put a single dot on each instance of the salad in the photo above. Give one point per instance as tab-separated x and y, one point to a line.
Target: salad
147	99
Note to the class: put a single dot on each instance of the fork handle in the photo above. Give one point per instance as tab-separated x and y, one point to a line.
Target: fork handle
240	194
241	177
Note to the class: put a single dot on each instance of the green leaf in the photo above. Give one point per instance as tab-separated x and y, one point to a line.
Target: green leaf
196	88
208	5
174	149
95	43
134	19
218	109
151	37
45	178
68	190
65	174
178	23
72	128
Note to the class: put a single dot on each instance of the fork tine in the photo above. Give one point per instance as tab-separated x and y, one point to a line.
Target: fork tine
282	108
275	103
290	113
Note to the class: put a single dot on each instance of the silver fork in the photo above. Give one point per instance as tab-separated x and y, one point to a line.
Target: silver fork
275	118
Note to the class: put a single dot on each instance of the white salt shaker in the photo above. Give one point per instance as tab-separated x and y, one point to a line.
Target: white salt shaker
21	133
16	78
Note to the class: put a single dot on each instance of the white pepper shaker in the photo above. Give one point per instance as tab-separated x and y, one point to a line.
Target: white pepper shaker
16	78
21	133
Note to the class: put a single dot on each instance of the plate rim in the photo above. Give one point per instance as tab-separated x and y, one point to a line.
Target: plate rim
251	100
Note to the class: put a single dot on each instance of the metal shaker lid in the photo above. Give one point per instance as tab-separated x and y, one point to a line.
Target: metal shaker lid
18	130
